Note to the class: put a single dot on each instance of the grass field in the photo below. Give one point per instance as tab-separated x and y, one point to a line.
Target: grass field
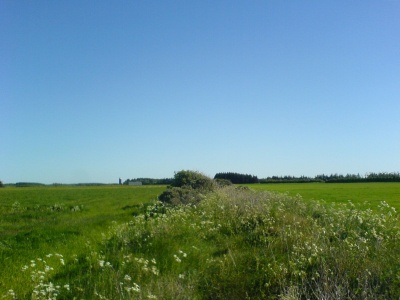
114	242
40	220
372	193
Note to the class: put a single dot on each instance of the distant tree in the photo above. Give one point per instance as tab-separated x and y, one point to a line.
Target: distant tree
28	184
237	178
150	181
291	179
383	177
1	184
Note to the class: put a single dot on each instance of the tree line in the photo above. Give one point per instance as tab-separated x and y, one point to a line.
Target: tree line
150	181
289	179
336	178
28	184
237	178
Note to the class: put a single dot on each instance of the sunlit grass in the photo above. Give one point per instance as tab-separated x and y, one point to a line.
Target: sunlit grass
368	195
235	244
37	221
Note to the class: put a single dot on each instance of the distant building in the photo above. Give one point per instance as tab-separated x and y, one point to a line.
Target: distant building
120	181
132	183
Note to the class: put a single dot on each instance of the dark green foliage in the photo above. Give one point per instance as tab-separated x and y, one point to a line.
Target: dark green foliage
28	184
370	177
1	184
290	179
237	178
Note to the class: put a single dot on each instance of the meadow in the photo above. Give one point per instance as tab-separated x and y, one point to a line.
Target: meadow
368	195
116	242
36	221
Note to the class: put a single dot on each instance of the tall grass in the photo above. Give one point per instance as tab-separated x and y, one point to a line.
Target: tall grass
235	244
37	221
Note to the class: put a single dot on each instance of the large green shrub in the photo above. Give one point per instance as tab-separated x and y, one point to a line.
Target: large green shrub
193	179
188	187
181	195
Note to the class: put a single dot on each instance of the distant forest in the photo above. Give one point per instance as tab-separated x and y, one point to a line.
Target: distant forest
335	178
237	178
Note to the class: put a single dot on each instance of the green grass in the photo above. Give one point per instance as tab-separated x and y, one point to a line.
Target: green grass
112	243
373	193
41	220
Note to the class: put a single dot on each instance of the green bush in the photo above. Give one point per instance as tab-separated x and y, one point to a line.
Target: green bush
181	195
188	187
1	184
193	179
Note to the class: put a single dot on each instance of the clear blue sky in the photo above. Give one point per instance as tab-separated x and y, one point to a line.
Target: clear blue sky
91	91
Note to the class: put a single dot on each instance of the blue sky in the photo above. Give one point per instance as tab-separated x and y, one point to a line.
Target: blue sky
91	91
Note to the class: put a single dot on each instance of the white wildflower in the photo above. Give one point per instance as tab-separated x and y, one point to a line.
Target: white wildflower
136	287
151	296
11	293
127	278
154	270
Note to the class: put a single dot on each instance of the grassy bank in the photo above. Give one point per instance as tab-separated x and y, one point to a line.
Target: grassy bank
235	244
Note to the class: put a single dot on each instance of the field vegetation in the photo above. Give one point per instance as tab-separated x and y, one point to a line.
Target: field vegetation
204	240
366	195
36	221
